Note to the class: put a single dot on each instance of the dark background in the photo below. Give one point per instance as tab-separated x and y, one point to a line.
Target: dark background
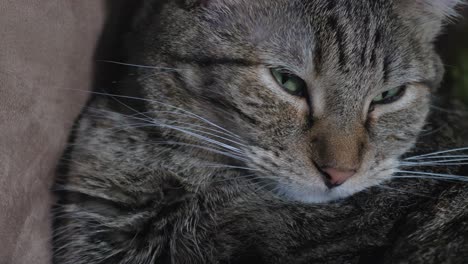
453	46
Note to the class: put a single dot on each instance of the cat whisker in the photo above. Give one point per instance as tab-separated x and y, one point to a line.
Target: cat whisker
244	177
443	162
102	113
191	132
449	111
263	187
429	164
177	114
437	153
204	132
131	108
167	105
198	126
120	128
433	131
453	178
222	166
403	191
201	137
188	126
427	173
256	177
206	148
430	175
141	66
157	102
444	157
231	155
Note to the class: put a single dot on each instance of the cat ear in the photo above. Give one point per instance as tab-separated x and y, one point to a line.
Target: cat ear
428	16
440	8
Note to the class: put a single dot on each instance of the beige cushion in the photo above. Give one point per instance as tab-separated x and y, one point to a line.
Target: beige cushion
46	50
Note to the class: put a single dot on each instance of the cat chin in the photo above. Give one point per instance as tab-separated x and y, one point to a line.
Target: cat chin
315	194
312	193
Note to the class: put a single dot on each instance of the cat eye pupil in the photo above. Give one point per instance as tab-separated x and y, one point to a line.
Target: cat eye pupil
290	82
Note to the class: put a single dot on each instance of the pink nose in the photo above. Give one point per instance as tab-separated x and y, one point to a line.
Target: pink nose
336	177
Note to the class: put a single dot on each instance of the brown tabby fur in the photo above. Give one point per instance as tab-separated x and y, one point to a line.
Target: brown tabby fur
195	156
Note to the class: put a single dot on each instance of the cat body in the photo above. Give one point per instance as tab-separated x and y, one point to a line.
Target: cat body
199	156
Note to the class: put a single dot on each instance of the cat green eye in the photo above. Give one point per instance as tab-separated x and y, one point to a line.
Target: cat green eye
290	82
389	96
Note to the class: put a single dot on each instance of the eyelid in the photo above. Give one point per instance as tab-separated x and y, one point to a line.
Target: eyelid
424	84
282	70
407	85
394	98
421	84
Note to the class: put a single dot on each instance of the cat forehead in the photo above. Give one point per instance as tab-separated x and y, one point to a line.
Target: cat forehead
344	40
308	9
295	23
424	16
325	34
437	7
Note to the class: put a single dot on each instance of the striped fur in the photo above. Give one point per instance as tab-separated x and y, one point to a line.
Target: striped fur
198	156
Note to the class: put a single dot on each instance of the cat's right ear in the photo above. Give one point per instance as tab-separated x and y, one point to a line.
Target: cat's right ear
442	9
428	16
436	9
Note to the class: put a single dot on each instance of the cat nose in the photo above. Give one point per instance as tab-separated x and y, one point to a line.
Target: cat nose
336	177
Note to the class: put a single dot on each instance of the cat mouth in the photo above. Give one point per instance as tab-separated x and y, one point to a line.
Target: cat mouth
314	192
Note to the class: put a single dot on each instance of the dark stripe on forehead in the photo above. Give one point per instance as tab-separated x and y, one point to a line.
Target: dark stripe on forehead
386	67
318	56
340	40
365	53
377	40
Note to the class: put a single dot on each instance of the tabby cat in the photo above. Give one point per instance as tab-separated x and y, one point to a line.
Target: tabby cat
270	131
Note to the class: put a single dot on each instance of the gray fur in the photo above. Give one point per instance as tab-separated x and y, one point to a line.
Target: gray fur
215	164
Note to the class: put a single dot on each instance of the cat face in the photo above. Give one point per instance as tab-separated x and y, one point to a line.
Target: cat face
322	96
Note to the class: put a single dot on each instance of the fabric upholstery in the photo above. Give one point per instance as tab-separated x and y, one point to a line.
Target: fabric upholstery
46	54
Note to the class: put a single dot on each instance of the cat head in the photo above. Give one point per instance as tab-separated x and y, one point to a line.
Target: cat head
318	98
